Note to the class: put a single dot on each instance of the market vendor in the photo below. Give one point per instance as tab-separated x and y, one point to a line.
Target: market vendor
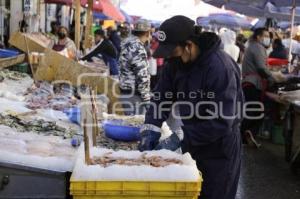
105	50
256	79
64	45
204	83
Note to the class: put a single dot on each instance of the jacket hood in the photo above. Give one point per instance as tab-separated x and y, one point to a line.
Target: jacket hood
208	43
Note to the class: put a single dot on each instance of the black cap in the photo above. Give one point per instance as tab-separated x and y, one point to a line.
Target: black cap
172	32
99	32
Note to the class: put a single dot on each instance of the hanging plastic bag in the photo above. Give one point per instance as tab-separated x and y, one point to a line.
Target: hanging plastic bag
152	66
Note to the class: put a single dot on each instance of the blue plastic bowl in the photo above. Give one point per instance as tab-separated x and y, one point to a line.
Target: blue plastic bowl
115	130
73	114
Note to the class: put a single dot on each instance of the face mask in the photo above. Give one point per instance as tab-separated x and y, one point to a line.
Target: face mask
177	61
174	61
61	35
266	42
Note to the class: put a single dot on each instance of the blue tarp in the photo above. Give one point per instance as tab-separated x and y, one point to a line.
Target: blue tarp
224	20
98	15
279	9
4	53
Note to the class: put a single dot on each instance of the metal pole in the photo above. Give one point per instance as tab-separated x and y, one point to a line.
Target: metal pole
2	15
46	18
1	24
291	36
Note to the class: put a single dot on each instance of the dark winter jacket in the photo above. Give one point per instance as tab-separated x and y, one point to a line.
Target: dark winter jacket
279	53
106	51
212	82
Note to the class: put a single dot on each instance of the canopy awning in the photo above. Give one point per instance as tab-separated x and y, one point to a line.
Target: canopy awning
228	20
100	6
107	8
62	2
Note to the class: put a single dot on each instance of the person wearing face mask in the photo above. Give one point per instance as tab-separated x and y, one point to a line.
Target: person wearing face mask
105	50
134	74
256	78
64	44
203	83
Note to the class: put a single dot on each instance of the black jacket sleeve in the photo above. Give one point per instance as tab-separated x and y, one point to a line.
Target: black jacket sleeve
161	104
106	47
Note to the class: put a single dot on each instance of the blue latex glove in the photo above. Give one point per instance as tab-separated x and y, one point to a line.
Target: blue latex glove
171	143
149	140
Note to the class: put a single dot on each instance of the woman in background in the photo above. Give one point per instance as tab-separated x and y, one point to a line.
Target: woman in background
64	45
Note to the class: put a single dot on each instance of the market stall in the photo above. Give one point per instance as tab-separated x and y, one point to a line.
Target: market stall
36	153
292	129
39	138
52	66
37	134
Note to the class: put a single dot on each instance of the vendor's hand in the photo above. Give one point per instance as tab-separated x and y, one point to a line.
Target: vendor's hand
285	98
279	77
275	97
171	143
149	140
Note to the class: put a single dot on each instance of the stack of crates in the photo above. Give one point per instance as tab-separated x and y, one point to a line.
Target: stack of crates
135	190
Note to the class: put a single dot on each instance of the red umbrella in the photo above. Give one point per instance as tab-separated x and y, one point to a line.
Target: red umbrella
107	8
62	2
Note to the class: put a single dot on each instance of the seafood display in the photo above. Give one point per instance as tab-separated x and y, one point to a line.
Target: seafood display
13	75
35	147
155	161
134	120
105	142
38	126
33	150
13	85
108	143
45	95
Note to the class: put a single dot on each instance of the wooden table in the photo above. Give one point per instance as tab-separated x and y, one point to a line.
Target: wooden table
10	61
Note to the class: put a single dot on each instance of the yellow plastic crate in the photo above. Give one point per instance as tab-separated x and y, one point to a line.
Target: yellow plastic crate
134	190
